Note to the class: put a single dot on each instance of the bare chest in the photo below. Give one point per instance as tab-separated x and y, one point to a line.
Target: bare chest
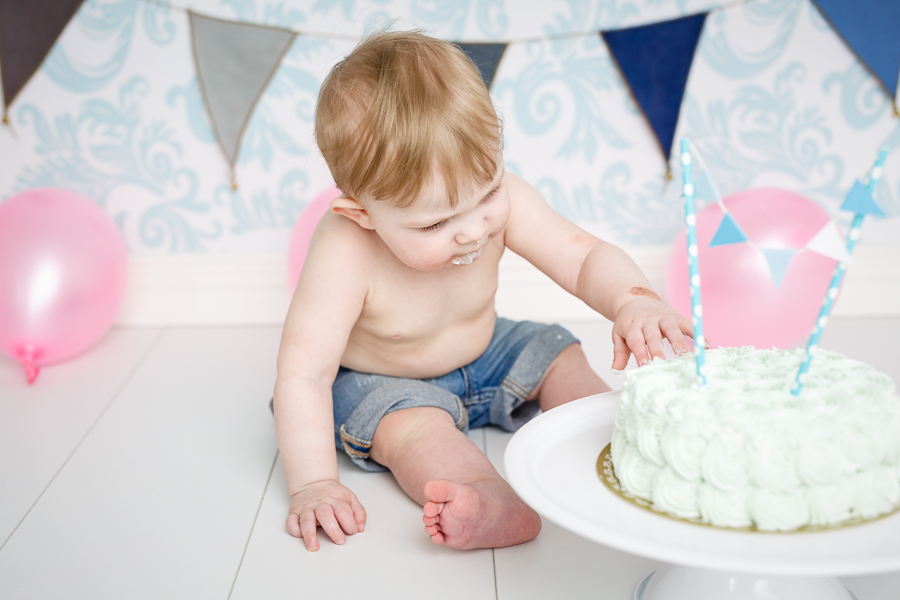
414	305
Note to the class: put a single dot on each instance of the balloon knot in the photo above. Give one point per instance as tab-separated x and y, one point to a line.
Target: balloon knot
27	357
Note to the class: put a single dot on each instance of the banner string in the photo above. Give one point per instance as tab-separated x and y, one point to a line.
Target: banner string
355	38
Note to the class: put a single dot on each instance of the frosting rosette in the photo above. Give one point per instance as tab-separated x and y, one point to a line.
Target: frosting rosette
742	451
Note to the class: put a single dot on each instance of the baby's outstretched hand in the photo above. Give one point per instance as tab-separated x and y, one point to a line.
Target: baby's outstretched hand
329	504
639	328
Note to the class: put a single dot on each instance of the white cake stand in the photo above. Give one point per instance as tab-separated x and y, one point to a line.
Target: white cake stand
551	463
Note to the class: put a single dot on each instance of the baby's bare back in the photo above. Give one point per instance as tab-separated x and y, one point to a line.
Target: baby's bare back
423	324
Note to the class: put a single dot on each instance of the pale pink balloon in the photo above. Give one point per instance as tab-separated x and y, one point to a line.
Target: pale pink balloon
63	272
741	306
303	230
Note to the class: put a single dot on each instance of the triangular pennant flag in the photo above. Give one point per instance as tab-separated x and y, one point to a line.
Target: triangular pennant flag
728	233
828	242
235	62
28	29
859	200
655	61
779	259
705	189
870	28
486	57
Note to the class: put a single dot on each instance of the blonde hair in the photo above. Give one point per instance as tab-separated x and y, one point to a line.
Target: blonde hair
400	106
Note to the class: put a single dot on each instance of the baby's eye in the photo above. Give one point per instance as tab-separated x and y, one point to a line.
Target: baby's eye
432	227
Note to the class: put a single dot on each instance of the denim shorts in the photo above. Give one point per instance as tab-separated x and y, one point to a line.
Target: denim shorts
490	390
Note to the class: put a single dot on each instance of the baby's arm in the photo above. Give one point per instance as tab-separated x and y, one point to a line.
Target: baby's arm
599	273
326	304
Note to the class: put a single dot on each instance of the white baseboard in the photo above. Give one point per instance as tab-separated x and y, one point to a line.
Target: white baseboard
251	289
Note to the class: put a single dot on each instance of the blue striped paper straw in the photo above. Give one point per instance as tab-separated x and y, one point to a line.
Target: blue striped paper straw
839	270
690	219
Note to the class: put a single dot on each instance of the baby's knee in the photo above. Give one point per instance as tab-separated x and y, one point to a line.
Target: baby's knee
397	428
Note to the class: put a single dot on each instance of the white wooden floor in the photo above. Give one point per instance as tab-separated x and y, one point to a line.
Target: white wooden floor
148	468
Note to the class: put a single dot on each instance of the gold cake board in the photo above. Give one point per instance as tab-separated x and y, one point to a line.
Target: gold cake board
608	476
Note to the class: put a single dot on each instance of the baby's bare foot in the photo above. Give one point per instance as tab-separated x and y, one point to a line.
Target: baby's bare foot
482	514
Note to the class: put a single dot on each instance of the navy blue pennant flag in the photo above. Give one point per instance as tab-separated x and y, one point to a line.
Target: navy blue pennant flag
486	57
872	30
655	60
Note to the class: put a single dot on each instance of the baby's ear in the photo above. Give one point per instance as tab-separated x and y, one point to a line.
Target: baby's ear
351	209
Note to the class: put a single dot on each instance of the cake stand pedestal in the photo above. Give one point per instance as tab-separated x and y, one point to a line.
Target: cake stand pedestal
551	463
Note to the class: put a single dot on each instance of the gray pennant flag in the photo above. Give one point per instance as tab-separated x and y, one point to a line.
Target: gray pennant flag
235	62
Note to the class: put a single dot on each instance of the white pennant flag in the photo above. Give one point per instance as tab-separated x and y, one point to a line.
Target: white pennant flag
828	242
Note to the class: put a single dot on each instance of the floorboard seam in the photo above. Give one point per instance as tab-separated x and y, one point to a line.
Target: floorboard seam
253	526
87	433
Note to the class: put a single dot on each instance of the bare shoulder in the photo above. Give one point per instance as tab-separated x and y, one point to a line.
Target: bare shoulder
529	212
519	189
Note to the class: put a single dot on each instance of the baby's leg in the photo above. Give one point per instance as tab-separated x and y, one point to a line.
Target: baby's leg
569	377
466	502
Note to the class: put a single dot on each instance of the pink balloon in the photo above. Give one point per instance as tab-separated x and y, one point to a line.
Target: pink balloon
741	306
303	230
63	271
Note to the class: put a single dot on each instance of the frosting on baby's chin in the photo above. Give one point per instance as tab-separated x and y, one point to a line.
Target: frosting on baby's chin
743	449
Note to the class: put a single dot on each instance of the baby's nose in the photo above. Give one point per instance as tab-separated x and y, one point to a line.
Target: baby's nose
473	231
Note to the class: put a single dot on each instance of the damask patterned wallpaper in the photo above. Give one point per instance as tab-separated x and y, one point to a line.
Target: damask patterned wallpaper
774	99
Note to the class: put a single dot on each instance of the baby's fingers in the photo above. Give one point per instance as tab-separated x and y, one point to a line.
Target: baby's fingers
621	353
675	336
346	519
308	530
634	337
653	339
329	523
293	525
359	513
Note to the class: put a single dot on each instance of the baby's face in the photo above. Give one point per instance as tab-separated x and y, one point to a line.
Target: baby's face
430	235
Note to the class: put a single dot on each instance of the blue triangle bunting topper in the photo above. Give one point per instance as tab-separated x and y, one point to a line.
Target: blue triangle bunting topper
655	61
860	201
729	232
870	28
486	57
779	260
705	189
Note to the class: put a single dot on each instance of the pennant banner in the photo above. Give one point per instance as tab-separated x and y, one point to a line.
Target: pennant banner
655	60
779	259
235	62
28	29
872	30
486	57
728	232
860	201
828	242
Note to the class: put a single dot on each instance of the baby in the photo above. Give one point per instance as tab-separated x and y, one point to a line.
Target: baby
391	348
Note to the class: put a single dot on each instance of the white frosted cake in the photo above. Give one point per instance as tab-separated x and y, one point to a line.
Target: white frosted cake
742	451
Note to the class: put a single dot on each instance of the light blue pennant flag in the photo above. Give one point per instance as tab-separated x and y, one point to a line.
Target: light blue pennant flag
729	232
779	259
859	200
705	189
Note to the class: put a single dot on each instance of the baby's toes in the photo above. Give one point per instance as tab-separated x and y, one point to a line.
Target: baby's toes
431	520
432	529
433	509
